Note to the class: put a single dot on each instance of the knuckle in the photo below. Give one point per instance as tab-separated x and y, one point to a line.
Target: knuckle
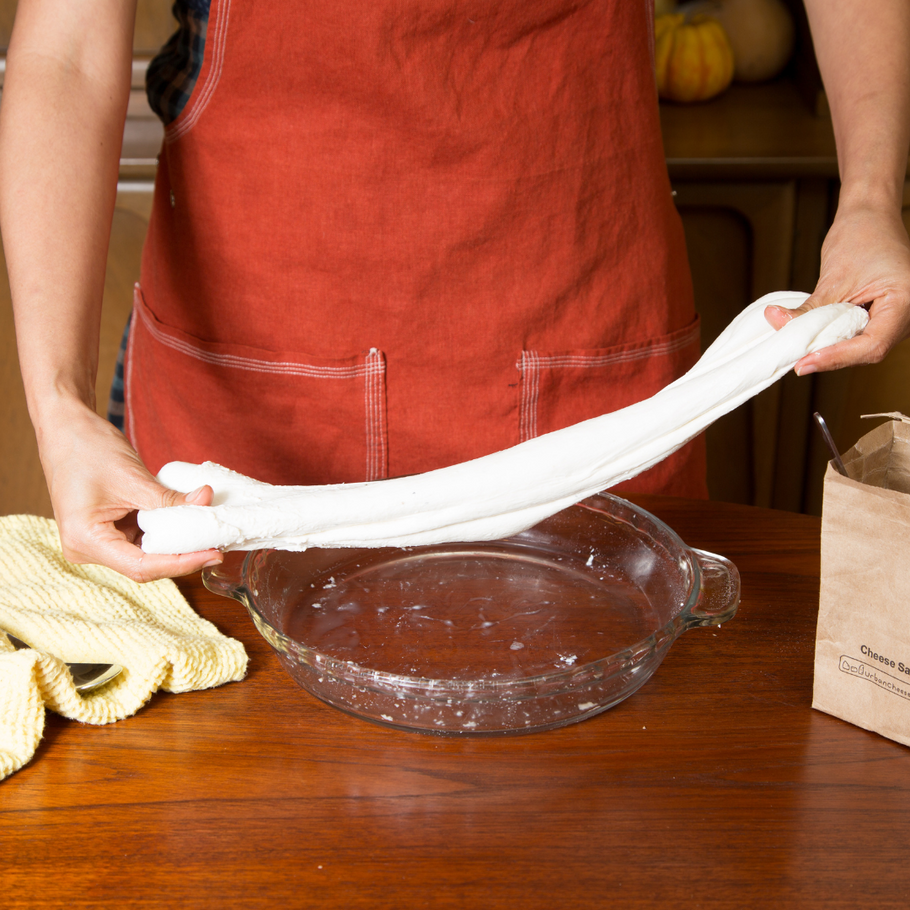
167	498
139	571
145	571
877	352
73	556
136	575
73	548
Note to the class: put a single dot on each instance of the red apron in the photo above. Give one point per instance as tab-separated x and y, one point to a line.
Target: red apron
391	236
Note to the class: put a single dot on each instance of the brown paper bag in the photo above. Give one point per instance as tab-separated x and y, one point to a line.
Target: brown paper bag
862	651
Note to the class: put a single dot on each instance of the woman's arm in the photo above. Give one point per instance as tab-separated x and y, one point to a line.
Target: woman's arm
61	126
863	51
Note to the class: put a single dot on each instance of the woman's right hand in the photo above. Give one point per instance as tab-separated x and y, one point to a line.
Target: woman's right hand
97	484
65	97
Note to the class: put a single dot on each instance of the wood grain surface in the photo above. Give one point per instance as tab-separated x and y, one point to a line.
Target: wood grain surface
714	786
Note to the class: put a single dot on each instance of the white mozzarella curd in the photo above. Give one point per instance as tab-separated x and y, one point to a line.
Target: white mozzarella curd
501	494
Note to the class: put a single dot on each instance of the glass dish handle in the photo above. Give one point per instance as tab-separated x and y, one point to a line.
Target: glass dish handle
719	598
226	579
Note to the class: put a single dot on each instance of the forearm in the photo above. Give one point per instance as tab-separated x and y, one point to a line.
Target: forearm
61	126
863	51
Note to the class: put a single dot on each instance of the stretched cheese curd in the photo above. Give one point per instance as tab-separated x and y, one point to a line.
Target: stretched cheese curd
504	493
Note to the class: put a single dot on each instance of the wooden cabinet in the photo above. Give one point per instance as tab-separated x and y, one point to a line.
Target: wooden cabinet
755	176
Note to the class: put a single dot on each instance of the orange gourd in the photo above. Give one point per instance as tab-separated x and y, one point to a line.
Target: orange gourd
693	57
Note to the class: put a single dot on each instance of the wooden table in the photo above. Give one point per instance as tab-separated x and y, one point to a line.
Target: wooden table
715	786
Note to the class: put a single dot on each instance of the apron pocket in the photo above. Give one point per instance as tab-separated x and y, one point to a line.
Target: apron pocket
563	388
277	416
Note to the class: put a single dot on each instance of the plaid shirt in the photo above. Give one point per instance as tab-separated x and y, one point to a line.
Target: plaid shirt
173	72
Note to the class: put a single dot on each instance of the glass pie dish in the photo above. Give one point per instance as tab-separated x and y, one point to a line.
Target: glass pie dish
539	630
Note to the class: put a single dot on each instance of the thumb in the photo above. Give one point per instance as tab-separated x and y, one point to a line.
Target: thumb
201	496
778	316
158	496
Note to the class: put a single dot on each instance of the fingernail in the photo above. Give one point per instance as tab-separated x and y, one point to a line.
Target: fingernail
211	562
195	494
807	369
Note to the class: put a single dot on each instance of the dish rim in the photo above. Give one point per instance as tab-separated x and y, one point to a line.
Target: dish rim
633	657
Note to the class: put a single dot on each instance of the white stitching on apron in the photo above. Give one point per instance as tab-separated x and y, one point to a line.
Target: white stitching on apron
372	370
530	388
128	374
198	102
377	449
233	361
532	363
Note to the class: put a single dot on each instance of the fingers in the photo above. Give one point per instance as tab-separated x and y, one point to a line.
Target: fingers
869	347
830	358
130	561
119	550
97	518
865	261
887	326
779	316
118	544
98	483
835	357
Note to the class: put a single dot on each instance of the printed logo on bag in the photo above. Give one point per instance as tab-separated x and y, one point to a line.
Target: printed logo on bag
870	667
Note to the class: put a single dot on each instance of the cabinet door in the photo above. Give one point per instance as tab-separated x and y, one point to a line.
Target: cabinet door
740	239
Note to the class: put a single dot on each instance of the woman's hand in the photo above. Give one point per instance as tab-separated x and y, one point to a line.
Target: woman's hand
864	58
65	97
97	483
865	261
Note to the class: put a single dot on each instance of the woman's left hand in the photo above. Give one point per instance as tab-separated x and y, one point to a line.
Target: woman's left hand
865	261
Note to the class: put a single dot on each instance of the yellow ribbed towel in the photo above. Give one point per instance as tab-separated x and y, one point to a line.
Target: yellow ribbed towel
91	614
